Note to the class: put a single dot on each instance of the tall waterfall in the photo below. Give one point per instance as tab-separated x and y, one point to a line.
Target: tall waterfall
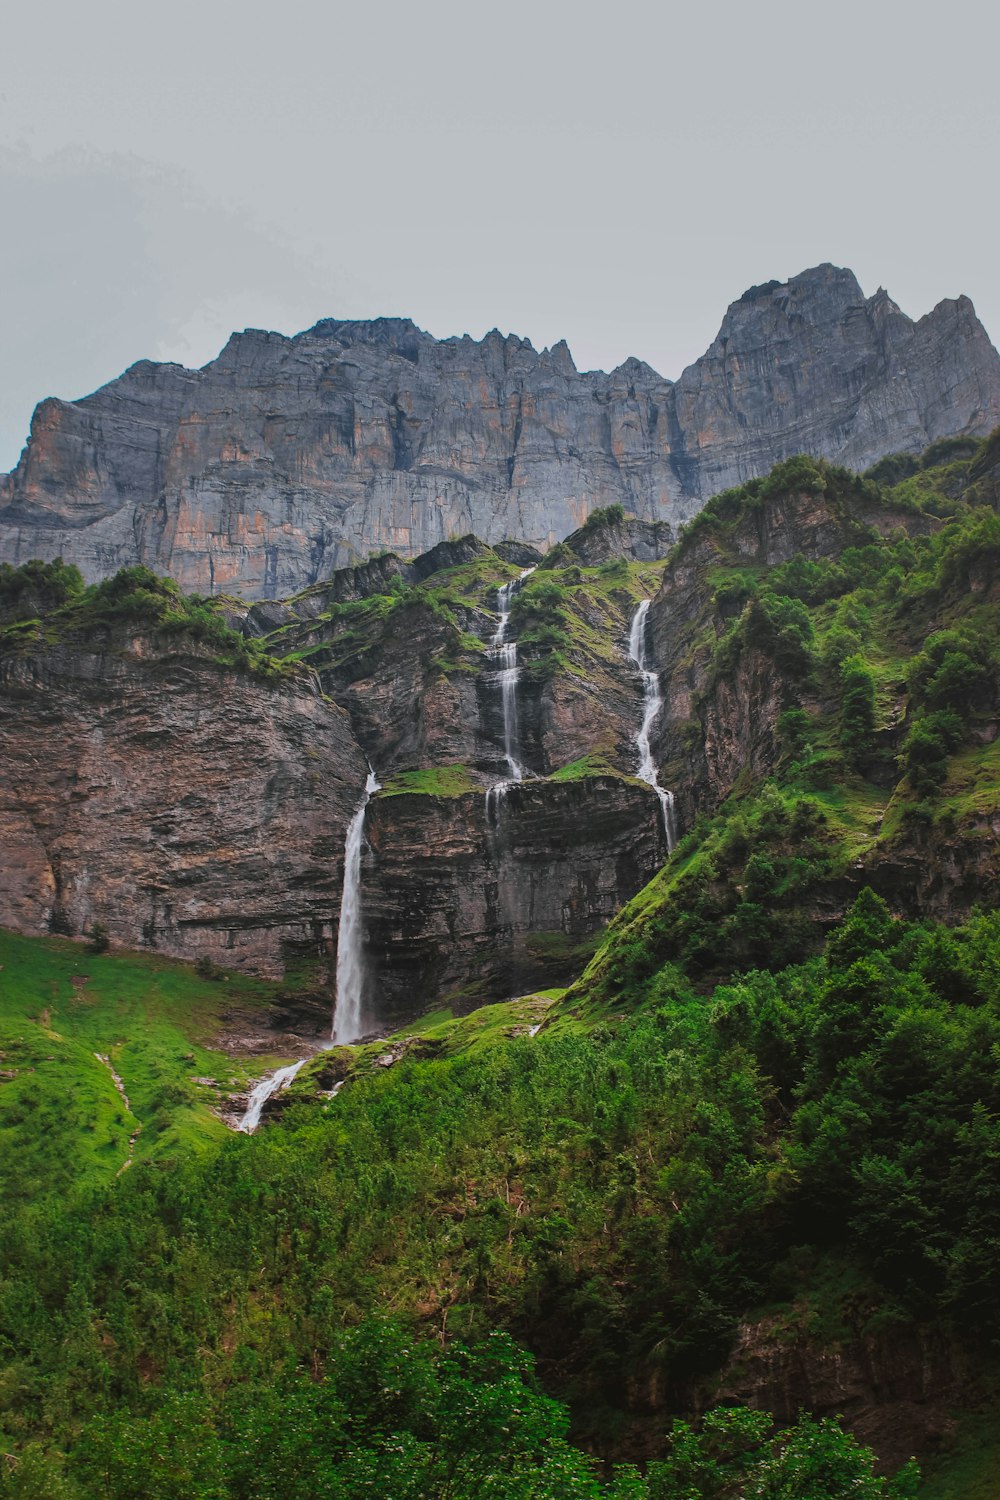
350	959
272	1084
504	653
652	703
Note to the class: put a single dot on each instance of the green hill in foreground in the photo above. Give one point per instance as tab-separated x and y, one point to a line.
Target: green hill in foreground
812	1150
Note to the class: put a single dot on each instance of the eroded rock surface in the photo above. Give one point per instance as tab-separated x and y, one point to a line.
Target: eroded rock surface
508	891
201	809
186	807
286	458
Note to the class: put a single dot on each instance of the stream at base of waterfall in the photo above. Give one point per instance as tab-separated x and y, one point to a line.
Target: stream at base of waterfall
272	1084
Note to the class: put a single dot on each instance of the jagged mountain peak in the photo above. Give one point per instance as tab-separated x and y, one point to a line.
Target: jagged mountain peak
285	458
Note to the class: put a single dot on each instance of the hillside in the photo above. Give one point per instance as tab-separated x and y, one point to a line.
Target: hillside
720	1145
783	1191
820	639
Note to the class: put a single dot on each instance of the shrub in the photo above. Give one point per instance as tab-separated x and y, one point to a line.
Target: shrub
732	594
931	739
55	582
894	468
857	712
797	475
608	515
783	628
98	937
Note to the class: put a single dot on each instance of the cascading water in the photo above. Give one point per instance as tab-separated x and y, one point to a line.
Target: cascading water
652	703
504	653
350	958
273	1084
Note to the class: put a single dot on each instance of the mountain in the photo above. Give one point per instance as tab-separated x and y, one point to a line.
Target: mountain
287	458
721	1146
204	758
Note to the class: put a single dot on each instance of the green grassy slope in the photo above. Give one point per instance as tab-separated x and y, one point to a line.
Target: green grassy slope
618	1197
63	1123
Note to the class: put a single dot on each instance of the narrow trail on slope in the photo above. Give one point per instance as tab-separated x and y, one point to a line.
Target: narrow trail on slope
119	1085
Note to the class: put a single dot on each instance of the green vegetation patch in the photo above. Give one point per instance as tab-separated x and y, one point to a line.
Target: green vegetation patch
594	764
135	598
619	1198
450	780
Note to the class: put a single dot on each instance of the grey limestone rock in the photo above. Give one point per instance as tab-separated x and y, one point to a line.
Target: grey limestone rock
287	458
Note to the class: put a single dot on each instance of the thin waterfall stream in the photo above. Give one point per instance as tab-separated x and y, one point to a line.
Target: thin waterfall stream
348	1004
347	1007
638	650
504	653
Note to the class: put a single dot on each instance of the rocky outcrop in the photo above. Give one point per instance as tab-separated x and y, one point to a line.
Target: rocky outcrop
810	366
720	730
720	725
418	680
201	810
610	534
188	808
894	1388
465	897
286	458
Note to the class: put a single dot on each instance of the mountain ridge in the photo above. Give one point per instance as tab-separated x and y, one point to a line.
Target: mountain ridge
288	457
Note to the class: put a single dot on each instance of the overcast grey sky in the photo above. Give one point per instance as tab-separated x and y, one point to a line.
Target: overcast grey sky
614	175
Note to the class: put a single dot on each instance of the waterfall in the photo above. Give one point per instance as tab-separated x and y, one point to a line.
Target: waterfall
652	703
494	800
272	1084
504	653
350	958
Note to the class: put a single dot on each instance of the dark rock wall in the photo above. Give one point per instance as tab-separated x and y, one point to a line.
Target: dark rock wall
202	811
494	899
188	808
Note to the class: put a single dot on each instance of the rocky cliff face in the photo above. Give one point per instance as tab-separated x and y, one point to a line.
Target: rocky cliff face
718	727
286	458
896	1389
496	898
201	809
721	729
189	808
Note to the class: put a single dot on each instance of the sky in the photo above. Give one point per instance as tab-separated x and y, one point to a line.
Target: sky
611	175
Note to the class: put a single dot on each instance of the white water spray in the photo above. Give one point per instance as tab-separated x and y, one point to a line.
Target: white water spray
272	1084
350	958
504	653
652	703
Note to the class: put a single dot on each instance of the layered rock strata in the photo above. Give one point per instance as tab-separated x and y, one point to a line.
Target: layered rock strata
201	810
187	808
286	458
508	892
